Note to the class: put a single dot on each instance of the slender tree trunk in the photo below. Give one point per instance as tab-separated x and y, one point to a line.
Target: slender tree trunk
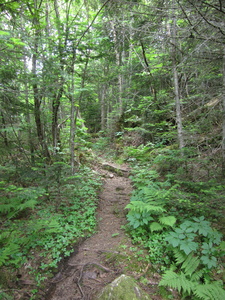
146	65
58	94
55	125
72	122
223	132
176	82
103	106
31	144
36	92
4	133
119	56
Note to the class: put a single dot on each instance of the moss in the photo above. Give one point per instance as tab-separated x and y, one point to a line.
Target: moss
123	288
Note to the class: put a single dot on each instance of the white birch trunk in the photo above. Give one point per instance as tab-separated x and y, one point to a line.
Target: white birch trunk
176	83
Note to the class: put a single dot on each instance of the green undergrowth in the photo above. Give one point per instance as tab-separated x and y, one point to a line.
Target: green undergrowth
44	212
176	213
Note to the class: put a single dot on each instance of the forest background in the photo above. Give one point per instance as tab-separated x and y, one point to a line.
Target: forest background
138	81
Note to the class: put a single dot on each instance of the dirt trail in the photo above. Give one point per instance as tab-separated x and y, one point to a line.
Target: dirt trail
87	271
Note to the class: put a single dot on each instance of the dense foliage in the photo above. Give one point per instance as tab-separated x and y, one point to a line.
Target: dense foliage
171	216
144	79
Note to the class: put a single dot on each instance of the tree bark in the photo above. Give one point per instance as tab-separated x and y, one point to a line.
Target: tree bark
102	94
31	144
55	125
36	92
60	82
176	82
37	108
223	114
119	53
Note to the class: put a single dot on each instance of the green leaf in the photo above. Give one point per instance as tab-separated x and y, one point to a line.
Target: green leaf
155	226
17	41
210	262
177	281
168	221
212	291
190	264
222	245
4	33
188	246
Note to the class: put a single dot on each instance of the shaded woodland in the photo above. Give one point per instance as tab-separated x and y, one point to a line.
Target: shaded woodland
138	82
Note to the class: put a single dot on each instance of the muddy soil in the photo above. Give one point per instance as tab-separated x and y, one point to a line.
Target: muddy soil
87	271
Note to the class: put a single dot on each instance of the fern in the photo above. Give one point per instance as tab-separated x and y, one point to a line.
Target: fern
18	199
192	286
180	256
167	220
177	281
28	204
190	264
139	206
155	226
5	253
197	275
212	291
164	221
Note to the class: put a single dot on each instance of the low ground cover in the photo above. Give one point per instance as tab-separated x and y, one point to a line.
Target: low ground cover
44	212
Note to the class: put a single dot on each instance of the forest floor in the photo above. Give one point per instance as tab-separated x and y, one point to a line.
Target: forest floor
107	254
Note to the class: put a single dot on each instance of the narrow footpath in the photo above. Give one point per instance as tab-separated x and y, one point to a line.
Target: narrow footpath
89	269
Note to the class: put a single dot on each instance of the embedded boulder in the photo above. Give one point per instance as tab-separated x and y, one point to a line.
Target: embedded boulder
123	288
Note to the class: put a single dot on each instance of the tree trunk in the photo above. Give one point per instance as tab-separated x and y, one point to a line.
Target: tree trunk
103	106
176	82
36	92
31	144
37	110
58	94
119	52
72	122
55	126
223	114
4	133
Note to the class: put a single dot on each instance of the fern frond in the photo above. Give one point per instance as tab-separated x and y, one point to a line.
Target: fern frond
195	277
177	281
139	206
190	264
154	208
167	220
155	226
28	204
180	256
211	291
5	208
7	252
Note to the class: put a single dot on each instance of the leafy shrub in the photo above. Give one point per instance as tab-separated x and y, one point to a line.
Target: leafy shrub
15	200
199	237
57	218
193	249
190	285
147	208
197	248
140	153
